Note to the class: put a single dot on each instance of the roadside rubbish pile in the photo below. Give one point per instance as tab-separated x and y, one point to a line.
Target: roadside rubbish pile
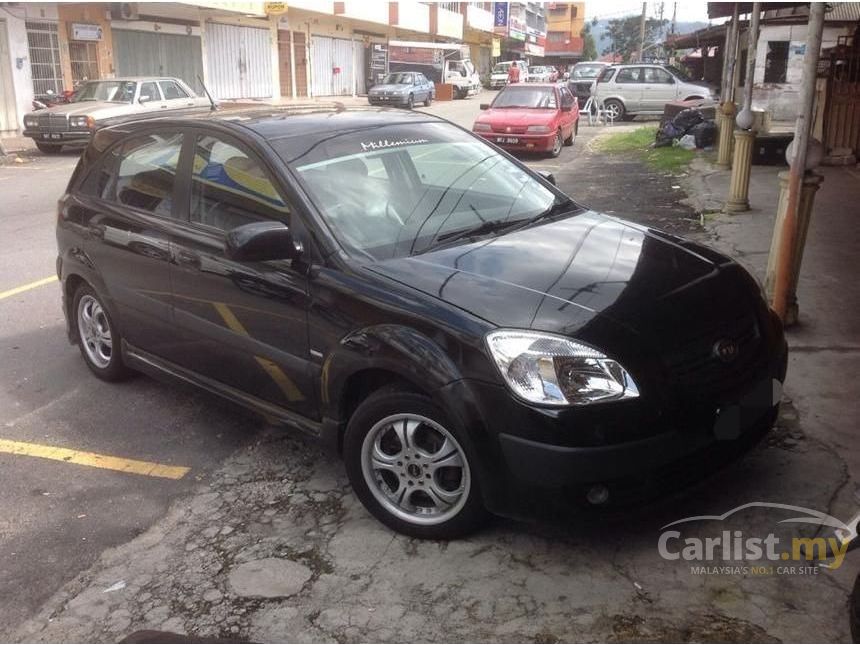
688	129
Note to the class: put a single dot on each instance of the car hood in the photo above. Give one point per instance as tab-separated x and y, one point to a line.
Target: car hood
391	87
516	116
95	109
560	275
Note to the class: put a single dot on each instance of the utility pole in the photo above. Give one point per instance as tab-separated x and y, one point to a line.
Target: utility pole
642	31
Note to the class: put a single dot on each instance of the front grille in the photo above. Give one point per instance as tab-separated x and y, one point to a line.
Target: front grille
54	122
693	368
514	129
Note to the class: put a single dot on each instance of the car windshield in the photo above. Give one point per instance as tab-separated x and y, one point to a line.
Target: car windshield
398	79
523	96
535	70
501	68
680	73
114	91
398	190
587	71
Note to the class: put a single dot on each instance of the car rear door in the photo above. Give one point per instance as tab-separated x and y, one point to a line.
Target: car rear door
628	86
658	88
242	324
175	97
126	207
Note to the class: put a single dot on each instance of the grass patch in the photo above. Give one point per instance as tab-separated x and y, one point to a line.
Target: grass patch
670	159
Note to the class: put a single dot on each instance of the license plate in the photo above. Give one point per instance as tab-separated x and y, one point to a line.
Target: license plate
507	140
51	135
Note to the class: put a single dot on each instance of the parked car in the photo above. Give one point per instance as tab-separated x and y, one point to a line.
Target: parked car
628	90
464	334
97	102
499	75
542	74
582	77
530	118
404	89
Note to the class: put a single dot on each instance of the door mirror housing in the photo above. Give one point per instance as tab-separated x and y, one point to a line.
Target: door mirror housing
143	98
261	241
548	176
485	106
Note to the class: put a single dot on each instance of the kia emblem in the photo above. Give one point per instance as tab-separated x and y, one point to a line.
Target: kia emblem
725	350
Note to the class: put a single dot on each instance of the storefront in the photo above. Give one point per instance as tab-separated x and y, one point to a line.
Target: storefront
173	50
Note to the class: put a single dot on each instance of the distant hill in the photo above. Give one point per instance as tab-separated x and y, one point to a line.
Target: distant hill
599	29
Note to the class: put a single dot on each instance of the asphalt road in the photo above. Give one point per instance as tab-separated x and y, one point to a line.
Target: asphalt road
57	517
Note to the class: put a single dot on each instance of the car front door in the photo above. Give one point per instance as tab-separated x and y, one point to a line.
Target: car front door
628	85
659	88
150	97
242	324
568	113
127	206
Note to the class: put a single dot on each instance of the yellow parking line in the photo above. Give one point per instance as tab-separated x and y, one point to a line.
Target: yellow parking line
92	459
27	287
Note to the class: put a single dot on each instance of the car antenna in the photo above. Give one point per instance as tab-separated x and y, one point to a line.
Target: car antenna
208	95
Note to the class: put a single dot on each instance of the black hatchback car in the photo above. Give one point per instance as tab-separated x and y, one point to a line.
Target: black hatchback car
463	333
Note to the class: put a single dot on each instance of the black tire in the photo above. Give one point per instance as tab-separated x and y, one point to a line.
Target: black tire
367	423
556	145
49	148
410	102
618	107
113	369
569	141
428	100
854	611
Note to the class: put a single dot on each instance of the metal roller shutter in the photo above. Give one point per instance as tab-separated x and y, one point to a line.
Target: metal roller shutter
143	53
238	62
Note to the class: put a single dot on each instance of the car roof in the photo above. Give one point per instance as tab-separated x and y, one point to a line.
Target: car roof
530	85
273	123
136	79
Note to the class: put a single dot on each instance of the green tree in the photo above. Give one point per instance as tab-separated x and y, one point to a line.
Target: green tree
589	48
623	35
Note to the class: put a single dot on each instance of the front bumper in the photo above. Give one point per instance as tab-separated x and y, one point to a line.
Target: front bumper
521	142
388	100
58	137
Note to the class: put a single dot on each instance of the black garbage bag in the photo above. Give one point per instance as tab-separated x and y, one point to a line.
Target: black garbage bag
686	119
705	133
666	135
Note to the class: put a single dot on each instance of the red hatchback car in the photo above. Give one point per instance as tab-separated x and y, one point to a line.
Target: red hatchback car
530	117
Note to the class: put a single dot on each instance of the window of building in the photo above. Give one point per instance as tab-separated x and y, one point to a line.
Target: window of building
147	173
84	61
229	188
557	36
44	49
776	61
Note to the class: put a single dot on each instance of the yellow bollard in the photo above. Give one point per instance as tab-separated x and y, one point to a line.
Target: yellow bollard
739	187
726	122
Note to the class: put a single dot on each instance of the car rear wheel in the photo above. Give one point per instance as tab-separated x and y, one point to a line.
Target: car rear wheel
48	148
574	131
98	337
428	100
614	110
410	102
556	145
410	467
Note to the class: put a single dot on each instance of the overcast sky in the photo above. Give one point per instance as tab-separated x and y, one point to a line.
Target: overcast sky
688	10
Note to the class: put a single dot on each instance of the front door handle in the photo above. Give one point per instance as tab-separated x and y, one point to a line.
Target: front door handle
188	259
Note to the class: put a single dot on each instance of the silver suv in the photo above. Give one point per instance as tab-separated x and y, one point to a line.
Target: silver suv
628	90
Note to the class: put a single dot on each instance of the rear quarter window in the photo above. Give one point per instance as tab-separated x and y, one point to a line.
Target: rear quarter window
606	75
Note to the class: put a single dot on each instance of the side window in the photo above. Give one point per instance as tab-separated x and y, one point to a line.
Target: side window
230	188
172	90
657	75
99	182
150	89
147	173
566	97
606	75
629	75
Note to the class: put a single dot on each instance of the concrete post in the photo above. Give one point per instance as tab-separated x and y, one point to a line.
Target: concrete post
739	187
726	122
811	184
274	52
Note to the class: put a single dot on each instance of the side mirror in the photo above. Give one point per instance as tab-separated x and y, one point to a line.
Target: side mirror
485	106
143	98
260	241
548	176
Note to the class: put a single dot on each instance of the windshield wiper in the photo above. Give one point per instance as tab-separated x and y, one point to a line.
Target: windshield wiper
556	208
491	226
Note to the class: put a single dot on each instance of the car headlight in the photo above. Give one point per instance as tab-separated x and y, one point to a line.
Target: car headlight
81	121
482	127
31	122
538	128
554	370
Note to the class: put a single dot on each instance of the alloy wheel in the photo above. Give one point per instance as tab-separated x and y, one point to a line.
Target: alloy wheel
415	469
94	331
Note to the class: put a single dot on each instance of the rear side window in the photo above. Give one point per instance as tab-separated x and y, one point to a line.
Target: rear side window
606	75
99	181
146	176
229	188
630	75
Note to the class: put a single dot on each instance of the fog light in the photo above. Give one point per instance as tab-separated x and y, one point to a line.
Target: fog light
597	494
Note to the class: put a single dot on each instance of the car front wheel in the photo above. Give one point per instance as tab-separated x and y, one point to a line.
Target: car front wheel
556	145
410	102
98	337
410	467
614	110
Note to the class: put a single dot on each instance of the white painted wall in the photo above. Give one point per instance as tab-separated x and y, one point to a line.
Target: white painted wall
782	100
413	15
449	23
